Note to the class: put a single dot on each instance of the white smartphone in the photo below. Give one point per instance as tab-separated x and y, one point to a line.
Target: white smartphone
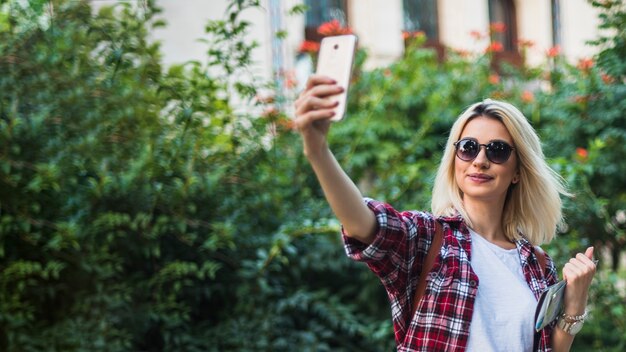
335	61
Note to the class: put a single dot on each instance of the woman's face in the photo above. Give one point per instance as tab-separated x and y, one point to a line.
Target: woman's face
481	179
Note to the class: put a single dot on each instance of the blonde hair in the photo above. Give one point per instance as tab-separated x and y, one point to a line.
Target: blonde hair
533	206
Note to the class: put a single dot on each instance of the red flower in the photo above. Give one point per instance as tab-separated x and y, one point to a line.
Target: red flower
387	72
494	47
333	28
497	27
554	51
582	153
585	65
528	96
309	46
494	78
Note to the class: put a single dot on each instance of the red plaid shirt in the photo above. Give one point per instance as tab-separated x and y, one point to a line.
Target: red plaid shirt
443	317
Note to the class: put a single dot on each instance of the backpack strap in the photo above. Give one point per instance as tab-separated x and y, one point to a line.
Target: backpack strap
434	249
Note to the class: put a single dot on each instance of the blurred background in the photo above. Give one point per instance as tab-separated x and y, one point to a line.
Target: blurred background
153	191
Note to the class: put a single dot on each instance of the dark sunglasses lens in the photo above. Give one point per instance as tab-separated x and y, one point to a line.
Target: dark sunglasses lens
467	149
498	152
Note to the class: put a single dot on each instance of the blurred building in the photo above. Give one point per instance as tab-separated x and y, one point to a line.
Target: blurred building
455	24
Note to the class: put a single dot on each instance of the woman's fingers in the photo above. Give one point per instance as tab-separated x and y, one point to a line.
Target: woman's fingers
589	253
314	103
581	265
320	91
316	79
310	117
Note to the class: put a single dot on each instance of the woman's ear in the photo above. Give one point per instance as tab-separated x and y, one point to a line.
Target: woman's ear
515	179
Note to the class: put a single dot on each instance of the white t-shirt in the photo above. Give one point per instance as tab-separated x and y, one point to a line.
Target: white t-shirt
504	309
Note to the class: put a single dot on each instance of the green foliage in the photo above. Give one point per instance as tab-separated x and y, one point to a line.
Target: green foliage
138	211
584	118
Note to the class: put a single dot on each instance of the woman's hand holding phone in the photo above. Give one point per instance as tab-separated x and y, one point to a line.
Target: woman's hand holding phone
314	111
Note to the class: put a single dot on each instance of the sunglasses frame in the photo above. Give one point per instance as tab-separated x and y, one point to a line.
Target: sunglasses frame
488	150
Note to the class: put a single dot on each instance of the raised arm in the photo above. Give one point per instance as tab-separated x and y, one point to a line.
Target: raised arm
313	111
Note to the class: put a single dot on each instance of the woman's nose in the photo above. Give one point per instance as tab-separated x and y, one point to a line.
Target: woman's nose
481	160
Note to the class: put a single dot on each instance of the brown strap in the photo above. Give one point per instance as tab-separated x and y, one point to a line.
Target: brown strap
434	249
541	258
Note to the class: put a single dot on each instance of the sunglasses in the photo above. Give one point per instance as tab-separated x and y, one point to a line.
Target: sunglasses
498	152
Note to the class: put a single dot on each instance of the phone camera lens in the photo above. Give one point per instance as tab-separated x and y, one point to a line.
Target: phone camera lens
336	46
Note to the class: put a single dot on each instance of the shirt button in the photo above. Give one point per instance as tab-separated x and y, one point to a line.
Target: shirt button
472	283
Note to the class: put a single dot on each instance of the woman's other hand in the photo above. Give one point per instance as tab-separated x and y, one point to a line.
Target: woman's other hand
578	273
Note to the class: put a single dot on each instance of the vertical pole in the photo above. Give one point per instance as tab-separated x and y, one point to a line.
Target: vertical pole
278	52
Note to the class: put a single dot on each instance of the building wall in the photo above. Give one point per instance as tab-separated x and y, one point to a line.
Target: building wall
379	24
534	20
457	18
580	22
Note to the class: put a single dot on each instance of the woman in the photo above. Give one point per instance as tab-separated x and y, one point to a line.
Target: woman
495	198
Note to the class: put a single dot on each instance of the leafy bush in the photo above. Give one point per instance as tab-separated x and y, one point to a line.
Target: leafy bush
138	211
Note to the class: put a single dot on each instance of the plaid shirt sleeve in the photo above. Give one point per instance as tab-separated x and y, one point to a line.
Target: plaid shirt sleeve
396	255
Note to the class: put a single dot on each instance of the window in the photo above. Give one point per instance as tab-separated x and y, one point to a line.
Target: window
321	11
421	15
503	12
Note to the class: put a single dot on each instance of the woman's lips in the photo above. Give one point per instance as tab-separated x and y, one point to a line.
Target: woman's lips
480	178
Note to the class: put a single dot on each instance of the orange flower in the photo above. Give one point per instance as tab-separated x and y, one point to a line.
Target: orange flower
582	153
290	79
585	65
607	79
528	96
332	28
525	43
580	99
494	78
499	95
309	46
497	27
554	51
462	53
494	47
387	72
417	34
287	124
477	35
270	112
